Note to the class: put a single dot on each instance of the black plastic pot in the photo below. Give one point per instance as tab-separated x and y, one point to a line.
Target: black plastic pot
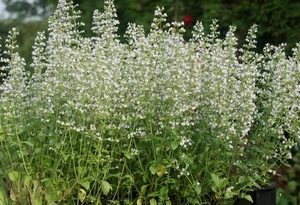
264	196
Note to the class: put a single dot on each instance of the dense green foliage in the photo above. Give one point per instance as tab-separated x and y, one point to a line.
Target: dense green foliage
289	182
278	22
152	120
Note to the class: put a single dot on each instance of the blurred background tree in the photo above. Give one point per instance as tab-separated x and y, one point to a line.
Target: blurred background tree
278	21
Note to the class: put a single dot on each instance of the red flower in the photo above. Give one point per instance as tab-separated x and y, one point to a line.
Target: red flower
187	20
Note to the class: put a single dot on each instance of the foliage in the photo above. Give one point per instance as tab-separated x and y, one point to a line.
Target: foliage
277	20
289	182
153	120
23	9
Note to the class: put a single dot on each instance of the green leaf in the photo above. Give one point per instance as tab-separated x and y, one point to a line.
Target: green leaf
174	145
13	176
37	151
163	192
153	194
128	178
152	169
3	197
81	195
36	199
143	190
153	201
106	187
12	195
51	195
30	144
27	180
94	200
139	202
189	160
145	177
247	197
198	189
85	184
218	182
228	195
215	179
128	155
244	181
161	169
80	171
168	203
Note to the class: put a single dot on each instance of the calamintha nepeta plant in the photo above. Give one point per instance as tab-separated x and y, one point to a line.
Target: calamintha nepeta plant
155	120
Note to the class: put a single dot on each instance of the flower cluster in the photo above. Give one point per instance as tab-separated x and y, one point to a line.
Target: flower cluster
110	109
